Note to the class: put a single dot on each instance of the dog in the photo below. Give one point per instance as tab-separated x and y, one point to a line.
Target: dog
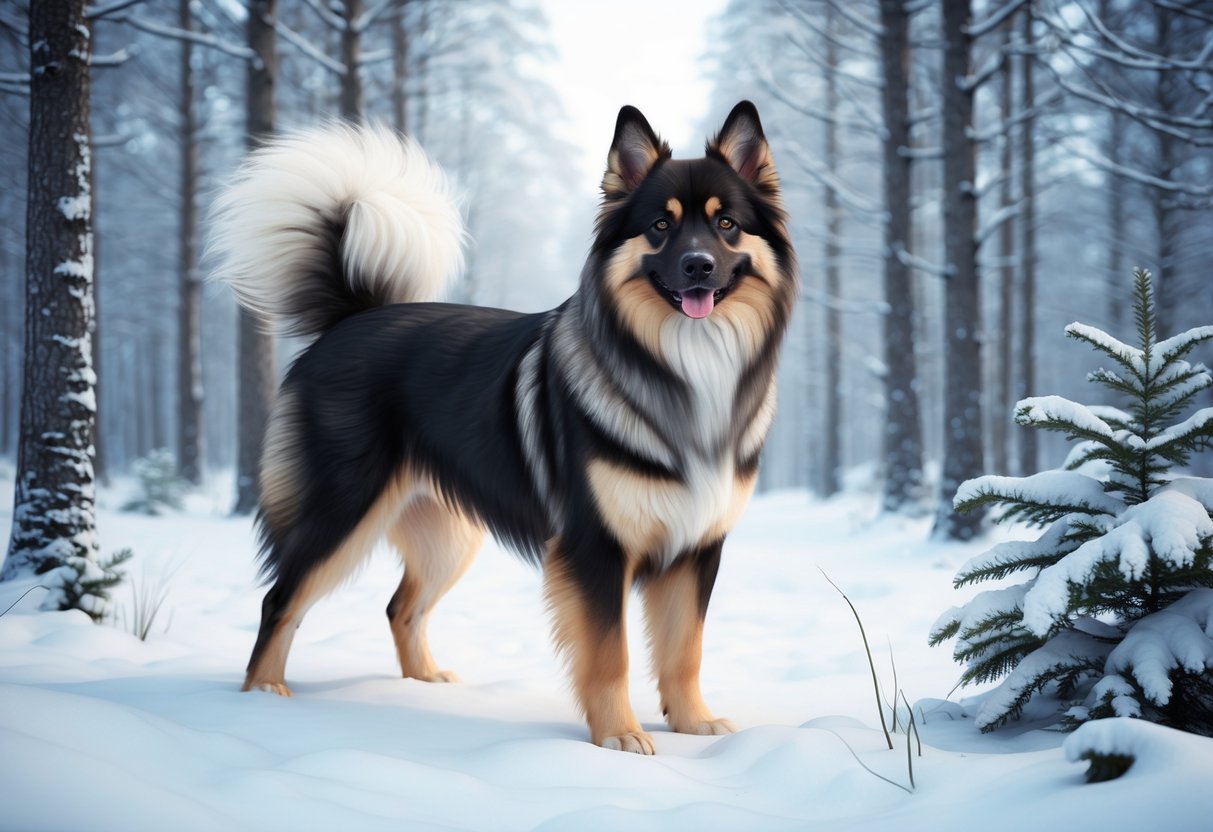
613	440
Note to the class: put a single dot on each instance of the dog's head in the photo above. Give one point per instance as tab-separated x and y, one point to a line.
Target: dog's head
694	238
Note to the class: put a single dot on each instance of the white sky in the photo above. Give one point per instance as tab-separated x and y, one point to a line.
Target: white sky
647	53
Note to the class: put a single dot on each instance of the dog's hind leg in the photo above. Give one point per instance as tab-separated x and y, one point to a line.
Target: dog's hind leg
675	602
437	546
296	590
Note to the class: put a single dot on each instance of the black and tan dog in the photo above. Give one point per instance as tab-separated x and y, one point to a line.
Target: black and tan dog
614	439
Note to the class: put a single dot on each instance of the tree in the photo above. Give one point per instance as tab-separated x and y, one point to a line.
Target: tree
962	457
189	347
1114	612
903	432
257	369
54	525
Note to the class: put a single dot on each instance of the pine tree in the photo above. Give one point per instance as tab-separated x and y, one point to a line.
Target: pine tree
1118	609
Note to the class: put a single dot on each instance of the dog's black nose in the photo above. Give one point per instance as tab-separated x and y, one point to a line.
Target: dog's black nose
697	264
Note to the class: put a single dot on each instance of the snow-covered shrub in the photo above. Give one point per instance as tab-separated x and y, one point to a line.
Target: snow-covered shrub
161	486
1116	615
83	584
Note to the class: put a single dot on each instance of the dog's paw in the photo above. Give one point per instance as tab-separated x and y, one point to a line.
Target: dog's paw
637	742
279	688
443	677
707	728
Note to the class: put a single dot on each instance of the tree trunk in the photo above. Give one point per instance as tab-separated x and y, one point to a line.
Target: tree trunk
352	105
903	431
1028	453
53	501
257	369
1117	277
189	345
962	457
1166	210
1003	346
832	463
400	67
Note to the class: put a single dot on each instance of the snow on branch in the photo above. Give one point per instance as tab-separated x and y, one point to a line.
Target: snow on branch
106	9
1000	217
1078	419
1131	358
982	27
199	38
301	43
1145	58
806	20
1068	653
1164	642
1170	526
925	266
330	18
372	14
827	178
1056	492
795	104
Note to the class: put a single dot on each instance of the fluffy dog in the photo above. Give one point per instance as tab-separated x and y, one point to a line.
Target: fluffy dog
614	439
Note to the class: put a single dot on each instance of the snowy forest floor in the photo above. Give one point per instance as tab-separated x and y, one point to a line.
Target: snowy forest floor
102	731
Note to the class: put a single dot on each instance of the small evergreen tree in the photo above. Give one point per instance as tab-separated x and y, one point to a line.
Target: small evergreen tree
161	485
1117	614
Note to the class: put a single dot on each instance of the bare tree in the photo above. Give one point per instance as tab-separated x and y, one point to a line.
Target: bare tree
962	458
189	347
258	367
1028	445
53	513
903	431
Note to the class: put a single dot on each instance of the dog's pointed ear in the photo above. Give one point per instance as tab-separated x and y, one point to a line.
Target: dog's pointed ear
635	150
743	145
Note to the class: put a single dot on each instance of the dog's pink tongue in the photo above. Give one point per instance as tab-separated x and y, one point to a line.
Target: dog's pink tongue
698	303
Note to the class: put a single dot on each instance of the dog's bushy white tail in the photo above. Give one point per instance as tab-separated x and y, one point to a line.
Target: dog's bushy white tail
328	221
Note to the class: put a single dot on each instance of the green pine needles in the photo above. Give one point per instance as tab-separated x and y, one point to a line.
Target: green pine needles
1116	615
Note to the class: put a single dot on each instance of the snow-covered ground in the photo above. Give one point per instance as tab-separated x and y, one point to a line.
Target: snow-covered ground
101	731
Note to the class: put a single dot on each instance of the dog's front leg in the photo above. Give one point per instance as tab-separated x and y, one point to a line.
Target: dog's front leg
675	603
587	591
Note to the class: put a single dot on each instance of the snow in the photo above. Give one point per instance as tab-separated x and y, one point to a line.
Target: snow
1058	488
102	731
1154	749
1171	523
1051	409
1176	637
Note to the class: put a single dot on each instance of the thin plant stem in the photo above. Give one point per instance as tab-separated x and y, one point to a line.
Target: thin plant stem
875	682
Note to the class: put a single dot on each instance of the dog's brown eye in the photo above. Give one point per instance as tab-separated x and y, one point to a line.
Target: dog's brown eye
662	224
725	223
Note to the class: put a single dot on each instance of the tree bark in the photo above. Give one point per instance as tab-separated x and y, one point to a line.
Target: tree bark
352	104
1028	447
1004	349
257	370
53	502
962	457
903	431
1166	211
189	346
400	67
832	463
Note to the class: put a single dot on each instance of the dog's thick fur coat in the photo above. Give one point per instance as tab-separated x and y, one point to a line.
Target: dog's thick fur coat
614	439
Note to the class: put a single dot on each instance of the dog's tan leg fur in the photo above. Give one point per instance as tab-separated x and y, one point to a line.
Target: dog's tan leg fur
674	622
437	546
268	672
598	660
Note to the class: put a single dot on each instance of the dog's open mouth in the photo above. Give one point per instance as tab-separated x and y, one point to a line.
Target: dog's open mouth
696	302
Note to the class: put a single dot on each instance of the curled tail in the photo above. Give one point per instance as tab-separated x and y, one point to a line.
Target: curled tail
329	221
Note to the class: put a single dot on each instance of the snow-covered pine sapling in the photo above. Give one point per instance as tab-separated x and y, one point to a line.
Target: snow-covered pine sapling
161	485
84	584
1116	613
